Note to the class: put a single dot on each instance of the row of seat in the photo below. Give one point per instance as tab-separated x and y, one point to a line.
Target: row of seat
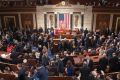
12	77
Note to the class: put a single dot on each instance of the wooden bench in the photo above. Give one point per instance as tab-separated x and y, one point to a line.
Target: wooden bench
31	62
12	77
60	78
7	76
114	75
13	67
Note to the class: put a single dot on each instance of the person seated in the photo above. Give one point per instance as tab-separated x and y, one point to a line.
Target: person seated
118	76
95	75
7	70
109	78
1	71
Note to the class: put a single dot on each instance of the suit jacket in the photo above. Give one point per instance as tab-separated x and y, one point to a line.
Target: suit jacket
45	60
113	62
103	62
90	64
21	74
109	52
60	67
85	71
42	73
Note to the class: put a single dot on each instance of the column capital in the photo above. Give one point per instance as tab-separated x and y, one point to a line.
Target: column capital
44	12
71	12
55	12
82	13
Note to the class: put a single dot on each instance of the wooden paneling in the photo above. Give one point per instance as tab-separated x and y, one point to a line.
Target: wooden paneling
59	78
0	22
27	21
85	2
102	21
115	21
4	16
23	9
106	9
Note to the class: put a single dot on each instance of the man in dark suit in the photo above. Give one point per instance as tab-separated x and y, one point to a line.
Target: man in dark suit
110	51
60	46
21	72
60	66
85	71
103	62
45	59
85	31
65	45
113	62
40	29
87	42
42	73
89	62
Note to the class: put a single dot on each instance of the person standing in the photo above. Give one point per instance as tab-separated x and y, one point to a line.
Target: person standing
103	62
113	63
69	68
84	71
42	73
21	72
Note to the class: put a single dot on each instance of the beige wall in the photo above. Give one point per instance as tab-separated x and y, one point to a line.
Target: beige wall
86	10
18	20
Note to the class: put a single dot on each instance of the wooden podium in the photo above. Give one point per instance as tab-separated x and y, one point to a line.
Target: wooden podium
62	31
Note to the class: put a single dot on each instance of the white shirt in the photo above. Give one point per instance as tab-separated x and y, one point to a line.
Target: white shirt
37	55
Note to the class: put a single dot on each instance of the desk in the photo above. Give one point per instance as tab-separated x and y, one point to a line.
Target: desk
7	76
56	41
60	78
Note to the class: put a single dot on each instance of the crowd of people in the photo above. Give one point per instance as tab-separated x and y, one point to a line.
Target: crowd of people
39	45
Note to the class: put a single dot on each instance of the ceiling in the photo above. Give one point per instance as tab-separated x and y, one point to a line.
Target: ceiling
108	3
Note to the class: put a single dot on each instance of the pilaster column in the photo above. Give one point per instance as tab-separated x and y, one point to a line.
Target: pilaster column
0	23
82	19
111	21
45	21
71	21
55	19
34	21
94	21
20	23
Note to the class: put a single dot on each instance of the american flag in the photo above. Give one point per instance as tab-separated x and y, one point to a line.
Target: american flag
64	20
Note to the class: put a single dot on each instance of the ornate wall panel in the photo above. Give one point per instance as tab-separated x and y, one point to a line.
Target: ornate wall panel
9	20
50	20
116	22
27	21
102	21
76	20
